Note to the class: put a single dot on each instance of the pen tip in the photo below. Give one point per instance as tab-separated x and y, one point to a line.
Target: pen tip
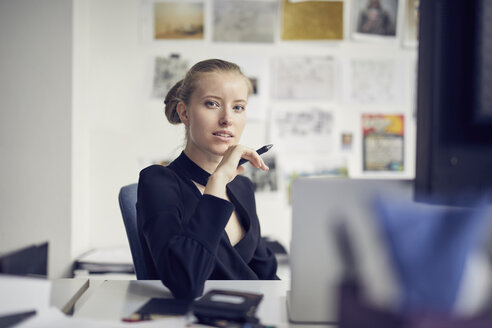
269	146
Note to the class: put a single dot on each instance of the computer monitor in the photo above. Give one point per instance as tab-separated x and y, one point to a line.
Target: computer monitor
28	261
319	205
454	105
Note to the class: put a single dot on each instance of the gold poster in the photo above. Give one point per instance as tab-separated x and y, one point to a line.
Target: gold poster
312	20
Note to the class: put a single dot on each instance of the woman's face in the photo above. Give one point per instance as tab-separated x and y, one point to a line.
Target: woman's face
216	114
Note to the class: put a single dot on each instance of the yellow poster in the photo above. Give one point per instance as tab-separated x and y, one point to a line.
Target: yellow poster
312	20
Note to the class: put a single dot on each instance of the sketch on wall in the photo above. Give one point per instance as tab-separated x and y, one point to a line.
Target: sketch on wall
306	130
178	20
383	142
168	71
377	19
244	21
311	78
374	81
312	165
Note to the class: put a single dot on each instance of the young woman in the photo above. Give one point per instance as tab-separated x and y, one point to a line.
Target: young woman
197	216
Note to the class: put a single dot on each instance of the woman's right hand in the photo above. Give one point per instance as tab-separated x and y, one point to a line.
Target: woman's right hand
228	168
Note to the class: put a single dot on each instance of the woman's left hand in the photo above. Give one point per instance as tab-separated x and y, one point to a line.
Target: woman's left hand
228	168
229	163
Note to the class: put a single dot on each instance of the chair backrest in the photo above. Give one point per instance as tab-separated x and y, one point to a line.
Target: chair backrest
128	200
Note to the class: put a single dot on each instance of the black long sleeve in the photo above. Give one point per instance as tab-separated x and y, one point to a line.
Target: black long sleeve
184	230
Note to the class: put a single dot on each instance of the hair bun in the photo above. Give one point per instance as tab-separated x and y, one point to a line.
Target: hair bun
171	103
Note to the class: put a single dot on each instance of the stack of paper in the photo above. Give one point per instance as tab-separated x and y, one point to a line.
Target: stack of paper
106	260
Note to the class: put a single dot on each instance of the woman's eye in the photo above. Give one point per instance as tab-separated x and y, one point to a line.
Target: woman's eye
239	108
211	104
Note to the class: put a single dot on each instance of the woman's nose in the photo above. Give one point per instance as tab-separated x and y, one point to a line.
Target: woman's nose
225	117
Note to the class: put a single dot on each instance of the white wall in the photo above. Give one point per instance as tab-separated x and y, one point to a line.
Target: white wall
35	127
77	120
119	126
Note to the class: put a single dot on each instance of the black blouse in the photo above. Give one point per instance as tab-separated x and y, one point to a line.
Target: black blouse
184	230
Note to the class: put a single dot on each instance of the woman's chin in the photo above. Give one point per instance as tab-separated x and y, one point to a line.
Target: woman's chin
220	150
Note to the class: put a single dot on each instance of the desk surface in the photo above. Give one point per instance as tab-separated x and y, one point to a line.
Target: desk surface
66	292
116	299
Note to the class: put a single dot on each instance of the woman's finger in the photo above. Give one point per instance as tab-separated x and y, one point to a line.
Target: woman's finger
257	162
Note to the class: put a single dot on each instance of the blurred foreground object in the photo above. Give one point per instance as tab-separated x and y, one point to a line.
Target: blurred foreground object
28	261
439	257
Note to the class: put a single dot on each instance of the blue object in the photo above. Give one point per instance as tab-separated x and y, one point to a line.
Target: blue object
429	246
128	199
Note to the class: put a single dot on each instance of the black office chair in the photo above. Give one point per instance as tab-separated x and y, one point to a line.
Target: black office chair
128	199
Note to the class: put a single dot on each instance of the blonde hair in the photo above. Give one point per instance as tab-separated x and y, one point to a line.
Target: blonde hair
182	90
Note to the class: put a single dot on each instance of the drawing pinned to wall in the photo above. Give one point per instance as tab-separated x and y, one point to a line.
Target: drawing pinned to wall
310	129
374	81
312	20
310	78
244	21
375	19
383	142
264	181
411	23
312	165
168	71
178	20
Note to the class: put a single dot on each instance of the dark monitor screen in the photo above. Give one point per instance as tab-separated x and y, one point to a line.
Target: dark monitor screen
28	261
454	105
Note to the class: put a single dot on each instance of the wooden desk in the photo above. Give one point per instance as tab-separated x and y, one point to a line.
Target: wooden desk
116	299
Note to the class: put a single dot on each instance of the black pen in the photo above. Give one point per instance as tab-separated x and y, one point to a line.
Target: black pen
260	151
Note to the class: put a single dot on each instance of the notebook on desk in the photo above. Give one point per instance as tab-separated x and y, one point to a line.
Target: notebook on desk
316	270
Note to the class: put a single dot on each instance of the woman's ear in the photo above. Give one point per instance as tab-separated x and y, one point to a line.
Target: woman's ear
183	113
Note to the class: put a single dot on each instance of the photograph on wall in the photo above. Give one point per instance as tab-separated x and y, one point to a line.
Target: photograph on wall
302	129
411	32
168	71
303	77
312	20
375	19
178	20
346	141
244	20
375	81
264	181
383	142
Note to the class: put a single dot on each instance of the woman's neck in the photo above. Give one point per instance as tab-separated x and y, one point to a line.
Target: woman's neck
208	162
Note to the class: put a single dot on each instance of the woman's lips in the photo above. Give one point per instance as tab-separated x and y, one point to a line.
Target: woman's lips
223	134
